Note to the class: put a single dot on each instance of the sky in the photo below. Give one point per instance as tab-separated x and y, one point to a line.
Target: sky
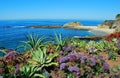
59	9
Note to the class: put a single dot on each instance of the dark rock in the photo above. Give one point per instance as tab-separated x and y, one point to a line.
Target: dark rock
89	37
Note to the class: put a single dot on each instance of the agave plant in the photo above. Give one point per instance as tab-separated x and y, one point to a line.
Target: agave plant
58	40
41	59
29	71
33	42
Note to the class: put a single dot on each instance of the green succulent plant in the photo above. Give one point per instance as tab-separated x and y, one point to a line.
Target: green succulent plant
82	44
33	42
114	70
100	45
79	43
106	46
29	71
59	41
41	59
91	44
119	67
113	56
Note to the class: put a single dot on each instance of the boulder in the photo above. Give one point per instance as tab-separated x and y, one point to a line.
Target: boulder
103	26
72	24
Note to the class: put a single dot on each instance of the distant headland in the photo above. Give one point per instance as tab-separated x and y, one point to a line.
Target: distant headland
101	30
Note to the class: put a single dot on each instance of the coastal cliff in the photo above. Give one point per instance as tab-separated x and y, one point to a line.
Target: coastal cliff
112	24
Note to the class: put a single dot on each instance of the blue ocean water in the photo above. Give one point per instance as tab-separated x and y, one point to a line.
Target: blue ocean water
13	31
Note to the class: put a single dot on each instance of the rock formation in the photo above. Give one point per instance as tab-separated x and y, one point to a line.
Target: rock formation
72	24
109	23
103	26
114	24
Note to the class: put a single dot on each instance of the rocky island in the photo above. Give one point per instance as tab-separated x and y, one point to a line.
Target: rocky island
72	25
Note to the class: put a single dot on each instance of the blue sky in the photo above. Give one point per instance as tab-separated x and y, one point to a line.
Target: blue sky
59	9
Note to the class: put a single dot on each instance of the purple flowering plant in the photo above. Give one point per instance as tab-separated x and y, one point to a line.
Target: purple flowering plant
81	64
68	48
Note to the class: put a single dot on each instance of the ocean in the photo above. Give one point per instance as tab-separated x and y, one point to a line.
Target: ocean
14	31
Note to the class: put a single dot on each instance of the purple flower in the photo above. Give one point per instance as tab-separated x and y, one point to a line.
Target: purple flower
95	57
78	56
93	61
68	48
72	47
10	55
109	56
62	66
90	75
61	52
106	67
72	56
64	48
17	69
64	59
83	58
101	58
74	69
2	70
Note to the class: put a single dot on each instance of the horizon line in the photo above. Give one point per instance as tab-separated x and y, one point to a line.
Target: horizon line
54	19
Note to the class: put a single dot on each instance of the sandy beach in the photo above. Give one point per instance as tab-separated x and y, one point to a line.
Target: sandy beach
95	30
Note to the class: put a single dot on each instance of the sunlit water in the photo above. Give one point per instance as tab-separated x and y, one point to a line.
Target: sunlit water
13	31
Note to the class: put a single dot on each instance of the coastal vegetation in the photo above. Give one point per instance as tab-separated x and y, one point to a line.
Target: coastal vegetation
63	58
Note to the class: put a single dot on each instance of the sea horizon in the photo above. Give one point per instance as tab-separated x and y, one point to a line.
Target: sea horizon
38	21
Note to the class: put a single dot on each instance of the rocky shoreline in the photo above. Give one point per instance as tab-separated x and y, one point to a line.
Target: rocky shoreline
100	31
96	30
89	37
